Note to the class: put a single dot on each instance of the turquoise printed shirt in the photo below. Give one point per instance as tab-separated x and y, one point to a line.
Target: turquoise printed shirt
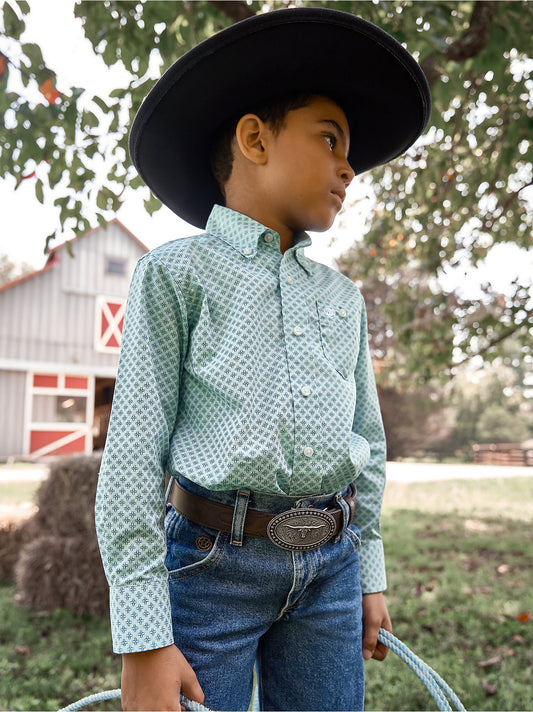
240	367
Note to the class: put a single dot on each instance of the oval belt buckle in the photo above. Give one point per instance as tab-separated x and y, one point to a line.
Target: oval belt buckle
301	529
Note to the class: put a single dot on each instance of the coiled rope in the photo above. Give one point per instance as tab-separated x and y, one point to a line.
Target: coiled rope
441	692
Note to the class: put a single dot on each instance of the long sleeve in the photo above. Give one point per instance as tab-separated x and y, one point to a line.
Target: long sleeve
368	424
130	497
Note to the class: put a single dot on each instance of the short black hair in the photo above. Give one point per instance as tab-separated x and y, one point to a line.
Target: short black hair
272	112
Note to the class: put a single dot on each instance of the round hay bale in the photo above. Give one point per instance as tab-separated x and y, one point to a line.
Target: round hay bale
66	498
13	536
62	572
59	563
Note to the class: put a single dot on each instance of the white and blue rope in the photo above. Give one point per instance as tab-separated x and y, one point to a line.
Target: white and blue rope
436	686
190	705
441	692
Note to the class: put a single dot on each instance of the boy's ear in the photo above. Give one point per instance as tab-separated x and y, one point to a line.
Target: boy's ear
251	134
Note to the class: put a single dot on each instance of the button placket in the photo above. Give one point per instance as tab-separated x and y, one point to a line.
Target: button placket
302	364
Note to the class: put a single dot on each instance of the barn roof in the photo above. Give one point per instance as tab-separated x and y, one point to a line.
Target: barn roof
53	257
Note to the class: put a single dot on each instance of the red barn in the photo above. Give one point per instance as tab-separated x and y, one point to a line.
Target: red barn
60	333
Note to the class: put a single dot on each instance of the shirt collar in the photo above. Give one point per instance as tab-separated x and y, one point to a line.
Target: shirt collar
243	233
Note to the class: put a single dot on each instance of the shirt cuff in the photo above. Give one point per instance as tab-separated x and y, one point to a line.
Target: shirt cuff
140	616
372	563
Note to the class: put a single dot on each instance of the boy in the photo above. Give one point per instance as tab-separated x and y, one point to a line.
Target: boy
245	374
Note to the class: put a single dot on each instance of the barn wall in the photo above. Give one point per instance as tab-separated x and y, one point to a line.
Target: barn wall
12	402
51	317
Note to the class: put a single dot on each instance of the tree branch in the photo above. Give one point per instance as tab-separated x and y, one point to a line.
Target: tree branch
236	11
504	335
471	42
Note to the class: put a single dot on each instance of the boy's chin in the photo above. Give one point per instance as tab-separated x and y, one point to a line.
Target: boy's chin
322	226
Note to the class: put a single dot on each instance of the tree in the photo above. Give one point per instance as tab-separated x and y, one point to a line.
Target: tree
458	192
490	405
463	188
10	270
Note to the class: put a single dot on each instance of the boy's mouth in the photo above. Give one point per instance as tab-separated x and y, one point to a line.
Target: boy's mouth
340	194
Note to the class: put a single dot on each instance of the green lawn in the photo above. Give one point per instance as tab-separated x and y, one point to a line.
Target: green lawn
17	492
460	574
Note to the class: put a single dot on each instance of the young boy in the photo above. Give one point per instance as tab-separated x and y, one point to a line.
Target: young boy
245	374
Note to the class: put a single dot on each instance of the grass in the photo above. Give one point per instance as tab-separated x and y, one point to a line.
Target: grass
460	573
13	493
47	662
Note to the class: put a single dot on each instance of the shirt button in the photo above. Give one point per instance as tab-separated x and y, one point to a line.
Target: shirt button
308	451
290	280
297	331
247	251
306	391
305	263
342	313
269	237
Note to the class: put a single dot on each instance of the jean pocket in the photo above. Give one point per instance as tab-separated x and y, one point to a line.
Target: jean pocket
339	336
354	536
191	548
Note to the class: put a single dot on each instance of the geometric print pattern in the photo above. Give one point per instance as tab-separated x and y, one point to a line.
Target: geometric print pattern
240	367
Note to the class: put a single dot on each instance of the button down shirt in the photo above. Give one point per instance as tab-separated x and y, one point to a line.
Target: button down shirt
240	367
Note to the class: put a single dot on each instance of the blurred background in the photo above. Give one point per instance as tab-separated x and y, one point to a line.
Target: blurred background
439	241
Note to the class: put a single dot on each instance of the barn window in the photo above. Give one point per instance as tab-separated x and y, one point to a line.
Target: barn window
115	265
59	409
108	323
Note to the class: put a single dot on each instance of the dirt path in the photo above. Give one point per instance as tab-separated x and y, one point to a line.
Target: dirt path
435	472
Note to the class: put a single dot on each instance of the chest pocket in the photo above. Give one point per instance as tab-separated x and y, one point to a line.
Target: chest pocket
339	335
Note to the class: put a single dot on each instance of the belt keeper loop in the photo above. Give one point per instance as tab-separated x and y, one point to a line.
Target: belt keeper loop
239	517
346	515
169	487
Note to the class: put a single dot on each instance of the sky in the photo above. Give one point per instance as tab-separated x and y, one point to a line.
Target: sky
25	223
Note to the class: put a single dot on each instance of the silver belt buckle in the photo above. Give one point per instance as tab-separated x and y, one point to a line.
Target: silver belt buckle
301	529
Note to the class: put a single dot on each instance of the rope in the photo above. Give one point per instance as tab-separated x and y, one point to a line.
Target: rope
436	686
190	705
434	683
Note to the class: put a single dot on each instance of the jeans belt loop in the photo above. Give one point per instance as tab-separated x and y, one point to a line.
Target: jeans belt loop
346	514
239	517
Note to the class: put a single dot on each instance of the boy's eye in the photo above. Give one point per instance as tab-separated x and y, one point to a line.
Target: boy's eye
332	140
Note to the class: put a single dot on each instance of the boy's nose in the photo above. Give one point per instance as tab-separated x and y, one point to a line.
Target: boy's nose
347	173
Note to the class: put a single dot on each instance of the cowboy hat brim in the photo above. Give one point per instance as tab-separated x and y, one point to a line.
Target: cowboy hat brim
377	83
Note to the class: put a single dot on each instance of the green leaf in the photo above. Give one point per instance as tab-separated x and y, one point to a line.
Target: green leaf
106	199
101	219
39	191
48	239
13	27
152	204
90	120
34	54
101	104
118	93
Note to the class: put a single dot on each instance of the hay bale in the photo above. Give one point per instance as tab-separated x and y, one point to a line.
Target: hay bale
11	542
62	572
59	565
66	498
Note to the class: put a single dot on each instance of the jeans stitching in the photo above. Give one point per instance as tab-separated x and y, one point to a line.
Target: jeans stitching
206	563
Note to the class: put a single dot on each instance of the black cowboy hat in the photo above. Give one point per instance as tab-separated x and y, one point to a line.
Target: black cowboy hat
377	83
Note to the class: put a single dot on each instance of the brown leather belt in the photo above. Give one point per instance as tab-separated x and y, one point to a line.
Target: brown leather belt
295	529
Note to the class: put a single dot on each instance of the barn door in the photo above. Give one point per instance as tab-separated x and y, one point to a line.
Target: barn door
60	414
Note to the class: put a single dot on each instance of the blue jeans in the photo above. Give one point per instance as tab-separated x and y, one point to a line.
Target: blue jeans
296	615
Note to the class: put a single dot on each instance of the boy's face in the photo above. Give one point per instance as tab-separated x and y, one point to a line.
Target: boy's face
307	171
